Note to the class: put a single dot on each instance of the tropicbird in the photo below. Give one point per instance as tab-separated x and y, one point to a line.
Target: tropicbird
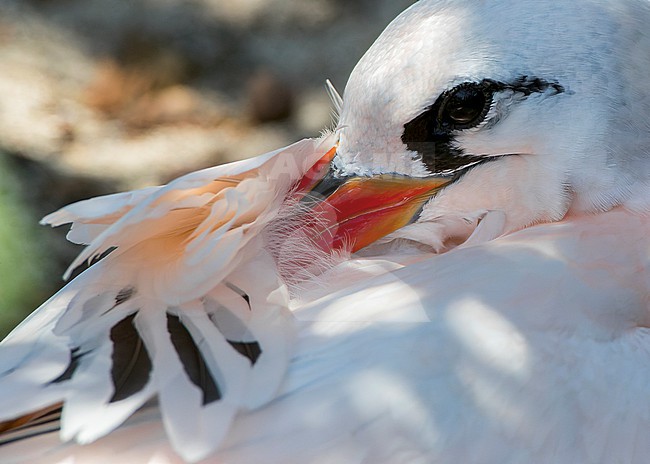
465	121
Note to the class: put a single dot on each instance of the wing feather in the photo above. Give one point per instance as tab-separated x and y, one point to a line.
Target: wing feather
188	308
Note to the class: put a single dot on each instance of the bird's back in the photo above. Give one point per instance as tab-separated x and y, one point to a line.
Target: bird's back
530	348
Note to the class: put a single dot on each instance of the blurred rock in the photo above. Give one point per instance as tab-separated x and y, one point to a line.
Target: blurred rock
176	105
142	66
269	97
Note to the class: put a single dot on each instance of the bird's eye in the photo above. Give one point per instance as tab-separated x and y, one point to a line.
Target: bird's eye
465	106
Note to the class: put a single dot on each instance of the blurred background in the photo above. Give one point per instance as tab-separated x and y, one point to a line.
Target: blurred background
99	96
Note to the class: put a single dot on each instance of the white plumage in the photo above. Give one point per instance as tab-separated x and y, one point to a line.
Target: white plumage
511	346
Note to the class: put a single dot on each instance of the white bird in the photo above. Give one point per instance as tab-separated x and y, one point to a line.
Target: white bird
490	174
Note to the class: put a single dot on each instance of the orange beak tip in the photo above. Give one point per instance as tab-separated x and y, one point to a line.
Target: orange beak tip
361	210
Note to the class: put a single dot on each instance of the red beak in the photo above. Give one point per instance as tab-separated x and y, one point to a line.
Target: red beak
352	212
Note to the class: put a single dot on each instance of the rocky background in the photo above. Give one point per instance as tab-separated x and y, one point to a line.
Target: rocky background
98	96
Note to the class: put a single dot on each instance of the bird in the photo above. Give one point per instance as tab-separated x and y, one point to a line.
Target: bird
458	272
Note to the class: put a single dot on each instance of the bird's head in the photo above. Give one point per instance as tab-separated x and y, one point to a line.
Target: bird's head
523	110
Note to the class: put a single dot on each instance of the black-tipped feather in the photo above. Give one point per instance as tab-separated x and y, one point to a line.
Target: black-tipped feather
192	360
251	350
132	366
75	358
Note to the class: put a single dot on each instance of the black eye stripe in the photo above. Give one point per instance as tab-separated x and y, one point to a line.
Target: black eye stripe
527	85
431	134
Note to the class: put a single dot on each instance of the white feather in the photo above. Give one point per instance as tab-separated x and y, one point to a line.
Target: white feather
337	100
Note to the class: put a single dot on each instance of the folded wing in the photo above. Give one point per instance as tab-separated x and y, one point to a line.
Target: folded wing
185	308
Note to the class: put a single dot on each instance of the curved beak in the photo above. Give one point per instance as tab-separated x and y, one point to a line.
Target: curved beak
351	212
